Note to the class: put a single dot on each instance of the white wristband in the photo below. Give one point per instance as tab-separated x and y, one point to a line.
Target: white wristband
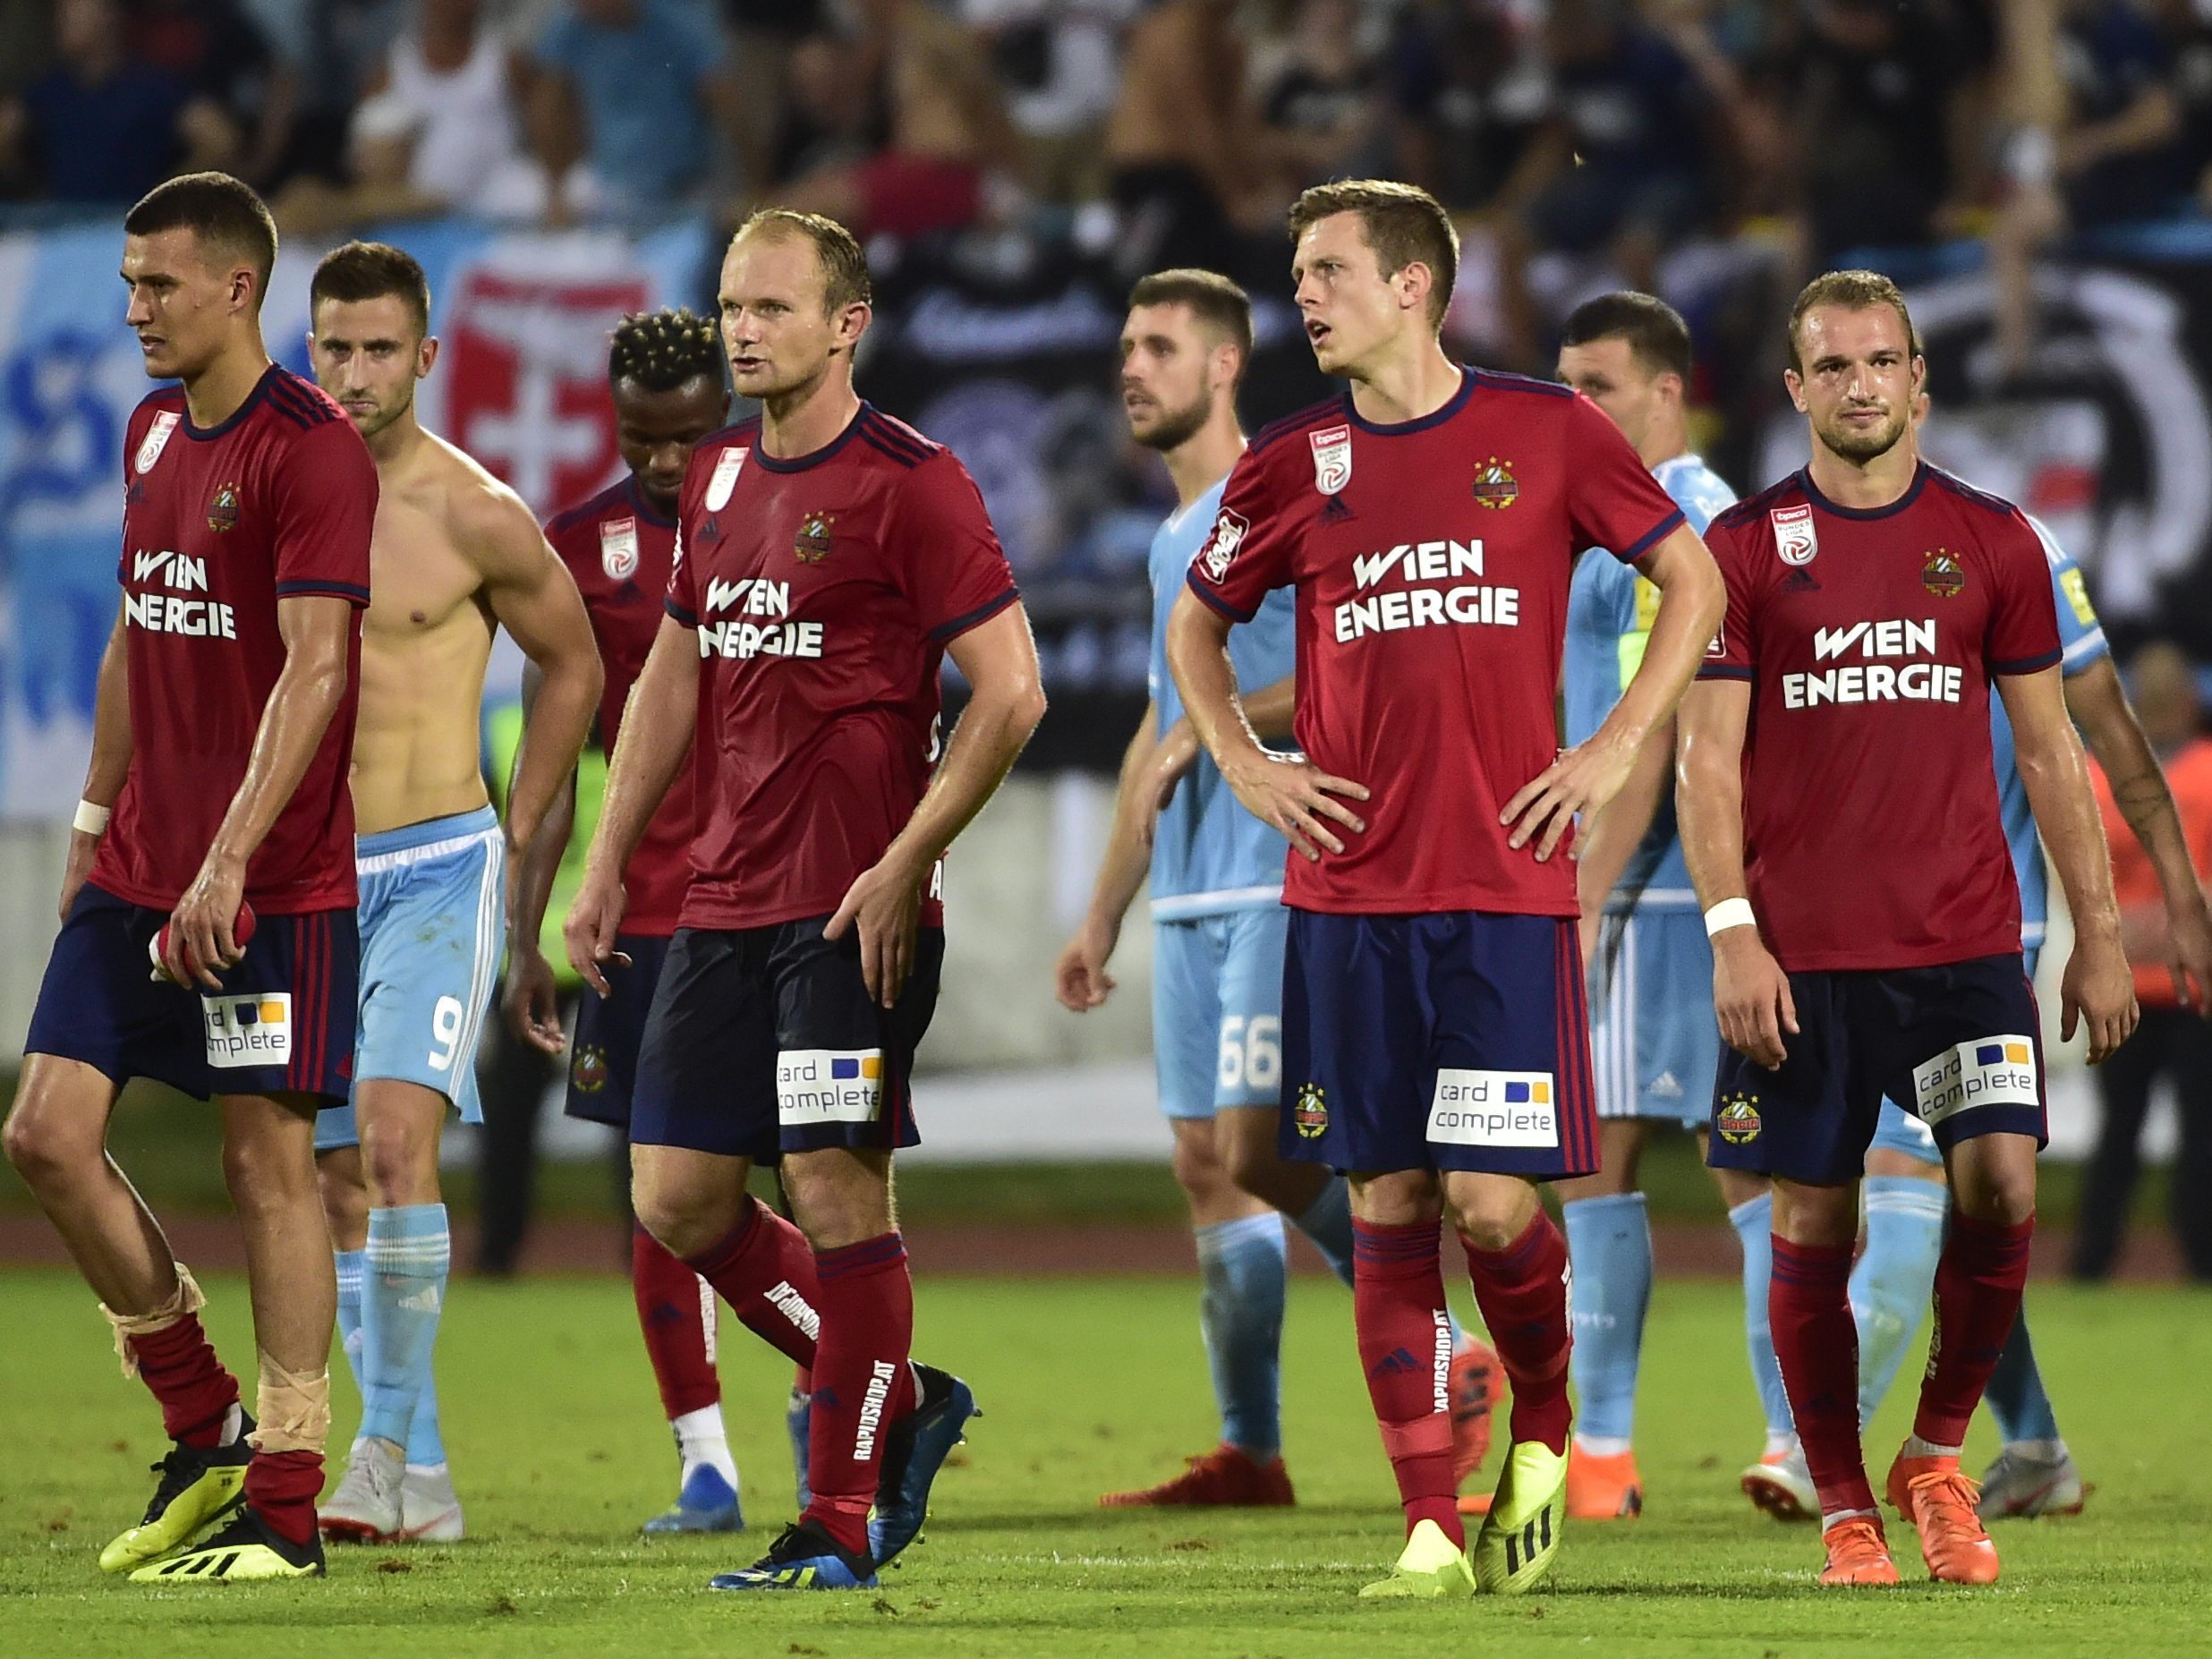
91	818
1729	913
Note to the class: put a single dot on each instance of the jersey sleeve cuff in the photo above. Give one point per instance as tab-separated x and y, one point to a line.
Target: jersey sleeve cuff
1723	671
335	589
2028	664
1217	603
690	619
946	631
1652	537
2091	648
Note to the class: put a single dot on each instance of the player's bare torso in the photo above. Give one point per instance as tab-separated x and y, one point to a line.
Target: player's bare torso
426	640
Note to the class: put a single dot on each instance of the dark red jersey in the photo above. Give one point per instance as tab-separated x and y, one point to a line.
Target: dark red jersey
621	552
218	526
824	590
1872	836
1432	561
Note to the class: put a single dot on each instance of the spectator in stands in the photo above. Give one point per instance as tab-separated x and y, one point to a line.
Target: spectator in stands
225	58
1183	143
631	101
834	114
2172	1042
1466	91
102	125
1321	106
2118	151
1060	62
948	132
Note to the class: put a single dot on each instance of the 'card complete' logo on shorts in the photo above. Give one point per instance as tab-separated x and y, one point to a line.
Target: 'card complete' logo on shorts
1989	1071
249	1031
1493	1109
828	1085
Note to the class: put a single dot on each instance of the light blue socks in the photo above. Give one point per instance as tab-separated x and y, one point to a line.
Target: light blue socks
1891	1284
402	1293
1242	1277
1754	1221
1328	1223
2015	1395
1609	1245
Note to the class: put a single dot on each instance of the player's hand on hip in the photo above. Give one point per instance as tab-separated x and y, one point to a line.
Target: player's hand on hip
2097	990
885	904
532	1001
201	926
1080	977
1297	797
1582	780
2189	952
82	850
590	930
1752	997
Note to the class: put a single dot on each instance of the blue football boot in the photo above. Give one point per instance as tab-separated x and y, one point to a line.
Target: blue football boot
708	1503
914	1449
804	1558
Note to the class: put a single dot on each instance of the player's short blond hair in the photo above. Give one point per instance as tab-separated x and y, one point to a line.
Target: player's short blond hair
1854	291
1402	223
843	267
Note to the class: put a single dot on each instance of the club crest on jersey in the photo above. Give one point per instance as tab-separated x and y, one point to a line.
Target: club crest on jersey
812	544
1494	486
1228	534
619	548
1796	540
156	437
1332	459
1311	1111
1738	1119
727	466
1942	574
587	1074
222	511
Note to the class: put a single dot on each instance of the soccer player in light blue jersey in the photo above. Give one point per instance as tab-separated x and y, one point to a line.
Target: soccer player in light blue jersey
1216	875
2034	1473
1654	1044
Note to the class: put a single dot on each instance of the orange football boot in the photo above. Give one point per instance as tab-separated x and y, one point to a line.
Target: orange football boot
1472	1388
1223	1479
1598	1488
1937	1498
1858	1554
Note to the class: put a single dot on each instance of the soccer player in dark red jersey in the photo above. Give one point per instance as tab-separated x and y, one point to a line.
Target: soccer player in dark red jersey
665	375
828	557
1435	1040
221	739
1839	808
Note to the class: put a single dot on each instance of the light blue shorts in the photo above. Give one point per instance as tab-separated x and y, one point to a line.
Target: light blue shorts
1217	1011
1898	1130
1653	1043
433	917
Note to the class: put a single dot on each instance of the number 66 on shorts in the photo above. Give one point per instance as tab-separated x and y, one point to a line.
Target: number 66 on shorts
1217	1011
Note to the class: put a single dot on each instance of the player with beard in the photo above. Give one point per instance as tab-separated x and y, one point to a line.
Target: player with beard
1840	812
456	556
829	557
1216	875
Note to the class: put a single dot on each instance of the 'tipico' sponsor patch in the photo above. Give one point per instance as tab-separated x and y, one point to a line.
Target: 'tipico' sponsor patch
1493	1109
249	1031
1987	1071
828	1085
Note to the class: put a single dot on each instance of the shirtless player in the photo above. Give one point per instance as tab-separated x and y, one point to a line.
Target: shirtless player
456	555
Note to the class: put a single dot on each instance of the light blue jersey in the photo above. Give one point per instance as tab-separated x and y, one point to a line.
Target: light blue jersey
1209	857
1609	615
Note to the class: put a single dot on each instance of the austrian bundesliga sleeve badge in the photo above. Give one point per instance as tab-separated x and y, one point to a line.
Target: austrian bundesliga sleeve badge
619	548
1796	540
1332	459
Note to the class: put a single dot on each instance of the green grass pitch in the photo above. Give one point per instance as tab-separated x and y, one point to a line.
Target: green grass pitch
559	1453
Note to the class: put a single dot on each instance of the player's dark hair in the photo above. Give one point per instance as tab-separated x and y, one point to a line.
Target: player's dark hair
221	212
843	267
371	270
1854	291
660	351
1403	224
1653	330
1217	303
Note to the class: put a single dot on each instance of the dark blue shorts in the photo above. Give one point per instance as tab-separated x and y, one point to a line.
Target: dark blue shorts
1454	1041
282	1022
602	1063
1959	1046
764	1041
